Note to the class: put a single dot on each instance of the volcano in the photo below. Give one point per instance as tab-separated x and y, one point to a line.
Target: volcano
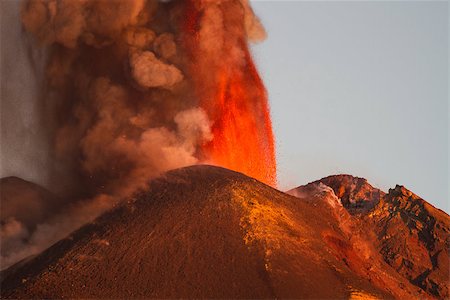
208	232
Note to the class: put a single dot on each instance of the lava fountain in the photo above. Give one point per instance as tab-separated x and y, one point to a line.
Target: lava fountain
130	89
229	88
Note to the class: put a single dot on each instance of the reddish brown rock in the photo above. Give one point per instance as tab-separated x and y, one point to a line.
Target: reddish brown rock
207	232
414	239
411	235
356	194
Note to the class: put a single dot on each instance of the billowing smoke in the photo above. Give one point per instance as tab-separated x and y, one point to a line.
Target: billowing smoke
133	88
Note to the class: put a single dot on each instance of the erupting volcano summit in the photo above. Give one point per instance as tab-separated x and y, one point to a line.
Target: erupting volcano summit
162	172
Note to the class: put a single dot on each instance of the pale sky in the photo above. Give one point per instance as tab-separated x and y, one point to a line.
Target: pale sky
359	88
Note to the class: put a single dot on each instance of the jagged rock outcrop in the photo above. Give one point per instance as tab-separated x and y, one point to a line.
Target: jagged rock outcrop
411	235
414	239
356	194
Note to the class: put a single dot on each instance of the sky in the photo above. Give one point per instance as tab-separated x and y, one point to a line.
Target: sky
361	88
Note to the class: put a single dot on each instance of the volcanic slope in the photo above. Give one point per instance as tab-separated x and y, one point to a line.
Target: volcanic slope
24	205
16	193
412	236
208	232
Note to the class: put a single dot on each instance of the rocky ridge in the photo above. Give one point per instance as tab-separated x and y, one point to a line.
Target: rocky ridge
208	232
411	235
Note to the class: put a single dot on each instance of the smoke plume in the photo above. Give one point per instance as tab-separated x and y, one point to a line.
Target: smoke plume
135	88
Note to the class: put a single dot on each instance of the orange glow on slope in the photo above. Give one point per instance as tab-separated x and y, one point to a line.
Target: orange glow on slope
236	102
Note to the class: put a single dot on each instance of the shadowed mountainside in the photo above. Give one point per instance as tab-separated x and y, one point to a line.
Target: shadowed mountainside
210	232
24	205
16	193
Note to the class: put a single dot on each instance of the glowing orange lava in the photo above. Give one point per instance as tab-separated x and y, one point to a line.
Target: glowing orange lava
235	100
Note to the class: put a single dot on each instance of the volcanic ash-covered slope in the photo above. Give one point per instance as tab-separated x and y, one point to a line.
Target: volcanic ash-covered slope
411	235
209	232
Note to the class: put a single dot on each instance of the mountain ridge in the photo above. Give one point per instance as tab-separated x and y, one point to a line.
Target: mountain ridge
205	231
412	235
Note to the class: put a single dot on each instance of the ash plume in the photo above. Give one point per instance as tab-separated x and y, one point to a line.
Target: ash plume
129	92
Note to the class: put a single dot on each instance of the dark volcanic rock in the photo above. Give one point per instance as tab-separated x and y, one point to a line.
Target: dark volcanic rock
414	239
356	194
207	232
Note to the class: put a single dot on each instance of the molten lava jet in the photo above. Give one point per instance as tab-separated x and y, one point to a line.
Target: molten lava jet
230	89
